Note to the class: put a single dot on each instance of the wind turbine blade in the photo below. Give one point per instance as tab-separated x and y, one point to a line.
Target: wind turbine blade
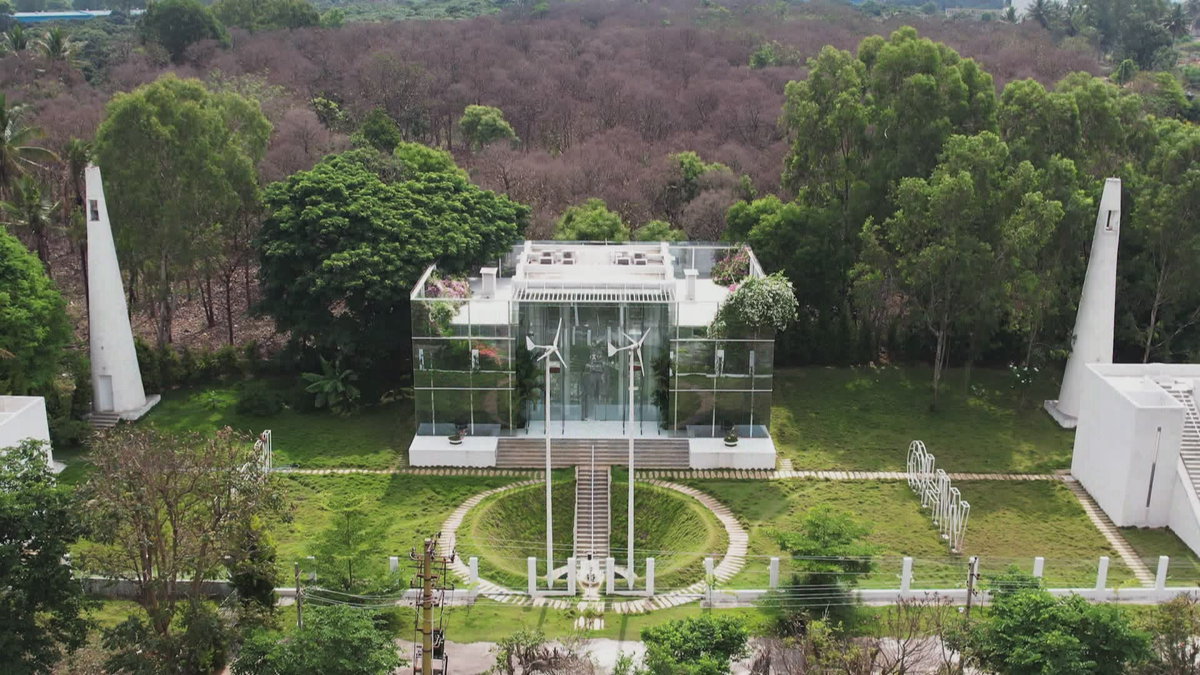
557	333
544	355
644	336
626	336
554	350
612	350
529	343
640	364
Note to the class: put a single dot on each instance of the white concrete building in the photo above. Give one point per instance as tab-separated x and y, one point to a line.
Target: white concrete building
23	418
1137	445
1092	338
117	391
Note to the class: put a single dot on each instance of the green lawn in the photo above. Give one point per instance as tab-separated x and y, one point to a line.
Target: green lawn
1010	523
376	437
864	418
405	508
1183	569
506	529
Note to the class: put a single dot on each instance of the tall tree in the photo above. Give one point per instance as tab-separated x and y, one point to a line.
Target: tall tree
950	246
591	221
28	208
1037	124
57	46
16	153
42	606
483	125
178	24
176	159
33	321
196	494
341	249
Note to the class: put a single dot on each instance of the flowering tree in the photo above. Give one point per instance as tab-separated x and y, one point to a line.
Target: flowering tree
732	269
759	303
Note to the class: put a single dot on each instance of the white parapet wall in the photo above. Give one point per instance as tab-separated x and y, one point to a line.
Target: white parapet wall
23	418
749	453
474	451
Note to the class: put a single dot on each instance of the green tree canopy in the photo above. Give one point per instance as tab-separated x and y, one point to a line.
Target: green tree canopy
176	159
483	125
702	645
418	158
380	131
1037	124
177	24
266	14
658	230
341	249
591	221
42	606
33	321
333	641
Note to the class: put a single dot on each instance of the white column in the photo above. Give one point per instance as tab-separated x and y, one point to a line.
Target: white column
610	575
1092	339
649	576
531	570
1160	579
473	565
774	572
906	575
1039	564
549	513
116	380
393	564
629	534
571	572
1102	573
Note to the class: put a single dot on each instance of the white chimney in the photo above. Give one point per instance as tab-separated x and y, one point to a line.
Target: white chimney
489	282
691	275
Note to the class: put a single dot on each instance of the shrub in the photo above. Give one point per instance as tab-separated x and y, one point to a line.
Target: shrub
255	397
760	303
251	360
149	362
225	361
732	268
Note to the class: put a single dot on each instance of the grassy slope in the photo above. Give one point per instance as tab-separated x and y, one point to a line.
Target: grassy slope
673	528
864	418
407	508
1184	567
374	438
1010	522
506	529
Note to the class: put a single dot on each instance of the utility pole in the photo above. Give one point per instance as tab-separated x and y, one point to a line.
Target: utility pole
972	575
427	575
299	600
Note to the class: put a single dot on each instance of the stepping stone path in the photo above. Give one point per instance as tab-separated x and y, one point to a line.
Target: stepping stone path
1100	519
432	471
782	473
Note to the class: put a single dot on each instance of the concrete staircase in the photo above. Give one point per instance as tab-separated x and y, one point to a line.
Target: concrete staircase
1100	519
104	420
649	453
591	512
1189	447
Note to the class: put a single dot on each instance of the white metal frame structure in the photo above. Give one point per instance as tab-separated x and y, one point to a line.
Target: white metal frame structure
635	349
547	350
947	508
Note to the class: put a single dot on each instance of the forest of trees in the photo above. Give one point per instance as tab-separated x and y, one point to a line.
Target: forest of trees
823	135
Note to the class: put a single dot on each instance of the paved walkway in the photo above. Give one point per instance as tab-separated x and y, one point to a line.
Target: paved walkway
1100	519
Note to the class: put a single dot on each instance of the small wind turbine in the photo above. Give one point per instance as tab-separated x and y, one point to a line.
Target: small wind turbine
547	350
636	346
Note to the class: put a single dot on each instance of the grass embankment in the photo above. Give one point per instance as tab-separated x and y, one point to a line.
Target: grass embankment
402	509
506	529
1010	523
864	418
1183	569
674	529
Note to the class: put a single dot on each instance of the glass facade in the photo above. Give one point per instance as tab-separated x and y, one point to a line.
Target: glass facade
474	373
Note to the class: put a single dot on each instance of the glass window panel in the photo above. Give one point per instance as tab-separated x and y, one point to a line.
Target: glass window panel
695	411
733	410
451	409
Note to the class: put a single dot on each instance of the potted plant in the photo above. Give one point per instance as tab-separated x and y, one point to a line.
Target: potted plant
456	438
731	438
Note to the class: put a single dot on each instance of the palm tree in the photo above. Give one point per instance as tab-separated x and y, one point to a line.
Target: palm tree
15	39
1176	21
75	160
1042	11
32	210
15	152
56	46
1009	15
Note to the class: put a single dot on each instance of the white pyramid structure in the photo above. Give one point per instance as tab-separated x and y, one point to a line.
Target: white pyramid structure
1092	339
116	380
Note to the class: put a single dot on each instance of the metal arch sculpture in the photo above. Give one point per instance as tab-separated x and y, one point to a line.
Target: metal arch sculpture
947	509
265	453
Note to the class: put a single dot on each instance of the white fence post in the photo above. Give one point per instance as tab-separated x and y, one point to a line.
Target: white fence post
571	572
774	573
531	565
473	564
610	575
1102	573
906	575
1160	579
1039	565
649	576
393	563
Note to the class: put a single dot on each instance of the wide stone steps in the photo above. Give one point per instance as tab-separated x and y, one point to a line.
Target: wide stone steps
591	512
512	453
104	420
1189	450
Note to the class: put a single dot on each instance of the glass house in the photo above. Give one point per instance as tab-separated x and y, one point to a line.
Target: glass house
473	373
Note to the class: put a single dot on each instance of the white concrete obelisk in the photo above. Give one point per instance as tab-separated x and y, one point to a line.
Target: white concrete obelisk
116	379
1092	339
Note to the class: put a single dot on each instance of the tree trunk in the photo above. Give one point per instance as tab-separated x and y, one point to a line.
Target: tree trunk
229	305
1150	328
164	302
43	250
206	296
83	268
132	285
246	268
939	356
